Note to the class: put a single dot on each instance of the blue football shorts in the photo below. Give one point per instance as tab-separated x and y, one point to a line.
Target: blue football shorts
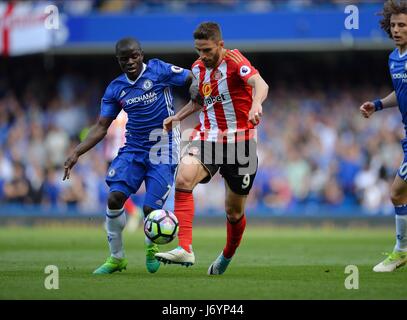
128	170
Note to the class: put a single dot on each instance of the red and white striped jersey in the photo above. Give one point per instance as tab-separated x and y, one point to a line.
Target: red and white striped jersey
227	98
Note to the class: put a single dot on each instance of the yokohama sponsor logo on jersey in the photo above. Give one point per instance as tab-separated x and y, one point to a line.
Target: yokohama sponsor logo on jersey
399	76
143	98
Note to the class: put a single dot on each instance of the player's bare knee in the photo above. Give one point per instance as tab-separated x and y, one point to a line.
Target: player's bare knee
233	214
184	182
398	196
116	200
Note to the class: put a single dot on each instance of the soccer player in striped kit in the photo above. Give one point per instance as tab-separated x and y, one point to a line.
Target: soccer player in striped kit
231	92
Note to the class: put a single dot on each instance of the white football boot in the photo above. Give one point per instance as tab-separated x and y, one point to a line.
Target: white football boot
393	261
177	256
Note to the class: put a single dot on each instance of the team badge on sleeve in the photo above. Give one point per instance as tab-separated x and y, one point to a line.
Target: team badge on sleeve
245	70
176	69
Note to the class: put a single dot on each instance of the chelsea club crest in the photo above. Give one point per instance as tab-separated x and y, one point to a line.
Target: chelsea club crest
147	85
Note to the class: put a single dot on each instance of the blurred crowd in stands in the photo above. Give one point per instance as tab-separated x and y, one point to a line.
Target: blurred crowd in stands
83	7
314	149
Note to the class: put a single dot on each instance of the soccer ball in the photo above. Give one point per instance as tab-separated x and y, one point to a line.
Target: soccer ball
161	226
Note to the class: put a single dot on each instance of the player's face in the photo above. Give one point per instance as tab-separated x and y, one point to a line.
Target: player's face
209	51
398	27
131	61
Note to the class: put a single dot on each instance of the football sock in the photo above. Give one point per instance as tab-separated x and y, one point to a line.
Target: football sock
234	236
147	241
115	223
401	228
184	211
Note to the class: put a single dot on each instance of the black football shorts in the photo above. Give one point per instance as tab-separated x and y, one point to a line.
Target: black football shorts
237	162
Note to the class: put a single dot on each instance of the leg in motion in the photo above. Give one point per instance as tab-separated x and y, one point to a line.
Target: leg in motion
398	257
235	226
190	173
115	223
152	264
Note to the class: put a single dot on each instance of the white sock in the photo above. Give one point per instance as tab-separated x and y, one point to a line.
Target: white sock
115	223
401	232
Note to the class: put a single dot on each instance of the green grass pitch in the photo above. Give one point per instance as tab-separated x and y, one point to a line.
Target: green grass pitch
272	263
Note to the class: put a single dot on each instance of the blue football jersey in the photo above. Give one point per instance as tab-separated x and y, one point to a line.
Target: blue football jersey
147	101
398	71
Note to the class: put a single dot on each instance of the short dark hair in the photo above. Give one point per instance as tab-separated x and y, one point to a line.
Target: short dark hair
391	7
208	31
125	43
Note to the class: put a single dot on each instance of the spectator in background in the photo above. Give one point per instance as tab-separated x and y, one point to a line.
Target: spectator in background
297	171
36	150
73	192
51	190
6	167
36	177
56	143
18	189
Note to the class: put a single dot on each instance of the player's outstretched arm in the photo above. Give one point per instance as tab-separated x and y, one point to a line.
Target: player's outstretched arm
261	89
194	105
190	108
95	135
369	107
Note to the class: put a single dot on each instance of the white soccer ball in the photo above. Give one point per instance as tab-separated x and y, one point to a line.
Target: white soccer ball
161	226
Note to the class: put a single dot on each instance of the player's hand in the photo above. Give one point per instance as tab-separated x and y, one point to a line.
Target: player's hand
167	123
69	163
367	109
255	113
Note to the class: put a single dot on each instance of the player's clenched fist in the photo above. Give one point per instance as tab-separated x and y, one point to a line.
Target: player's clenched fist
367	109
167	123
255	113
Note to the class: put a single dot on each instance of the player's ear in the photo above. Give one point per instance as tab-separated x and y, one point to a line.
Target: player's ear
221	43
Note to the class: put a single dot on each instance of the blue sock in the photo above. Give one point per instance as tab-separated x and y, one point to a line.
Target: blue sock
401	228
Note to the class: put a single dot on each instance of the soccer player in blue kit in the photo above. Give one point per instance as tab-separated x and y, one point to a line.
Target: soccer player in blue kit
143	91
394	22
